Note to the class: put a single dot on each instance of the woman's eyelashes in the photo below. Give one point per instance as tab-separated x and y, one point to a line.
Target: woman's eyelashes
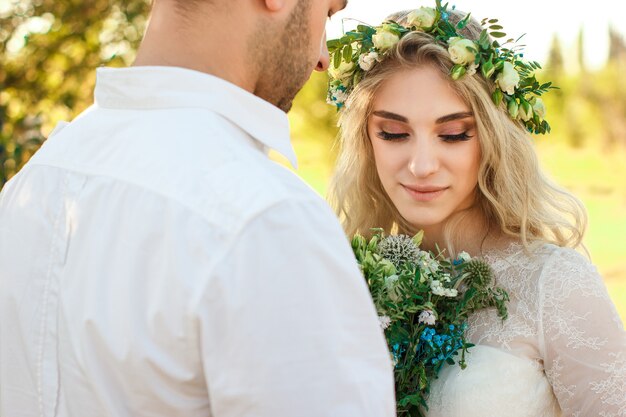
457	137
391	136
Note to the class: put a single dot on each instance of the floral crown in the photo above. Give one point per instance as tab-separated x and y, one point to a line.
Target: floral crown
356	52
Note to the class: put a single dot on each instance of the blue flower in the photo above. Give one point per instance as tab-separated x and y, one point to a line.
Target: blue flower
444	16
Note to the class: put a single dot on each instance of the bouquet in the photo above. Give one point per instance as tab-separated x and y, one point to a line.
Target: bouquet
423	301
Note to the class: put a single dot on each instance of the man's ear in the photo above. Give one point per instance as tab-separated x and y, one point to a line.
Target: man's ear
275	5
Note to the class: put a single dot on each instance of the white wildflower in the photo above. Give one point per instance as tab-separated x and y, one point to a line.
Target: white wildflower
438	289
337	96
366	61
428	263
427	317
464	256
471	69
390	284
385	321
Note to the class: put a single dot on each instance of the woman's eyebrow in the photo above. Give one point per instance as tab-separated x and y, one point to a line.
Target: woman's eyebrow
390	115
454	116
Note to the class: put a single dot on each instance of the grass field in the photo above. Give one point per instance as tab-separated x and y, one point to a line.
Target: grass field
597	177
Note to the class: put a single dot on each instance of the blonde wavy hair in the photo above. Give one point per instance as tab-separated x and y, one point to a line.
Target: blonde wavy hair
513	195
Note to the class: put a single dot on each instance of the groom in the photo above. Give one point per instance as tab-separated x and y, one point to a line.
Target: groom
155	262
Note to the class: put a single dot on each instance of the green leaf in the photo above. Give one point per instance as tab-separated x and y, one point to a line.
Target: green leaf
498	34
347	53
333	44
483	40
458	71
496	27
463	22
418	238
337	60
493	20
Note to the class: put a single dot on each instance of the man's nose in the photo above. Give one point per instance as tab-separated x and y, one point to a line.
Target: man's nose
324	59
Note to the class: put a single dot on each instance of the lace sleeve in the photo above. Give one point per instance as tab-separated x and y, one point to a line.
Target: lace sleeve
584	342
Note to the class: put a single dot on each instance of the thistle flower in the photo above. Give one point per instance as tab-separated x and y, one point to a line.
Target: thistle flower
480	273
398	249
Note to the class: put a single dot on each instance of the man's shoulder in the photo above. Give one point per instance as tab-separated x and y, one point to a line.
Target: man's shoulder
193	156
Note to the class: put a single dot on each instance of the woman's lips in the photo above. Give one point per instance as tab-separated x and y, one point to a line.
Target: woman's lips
424	193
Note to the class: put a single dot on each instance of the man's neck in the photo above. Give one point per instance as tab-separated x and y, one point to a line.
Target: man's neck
212	48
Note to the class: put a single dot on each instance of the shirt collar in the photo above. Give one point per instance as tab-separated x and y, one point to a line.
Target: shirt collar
171	87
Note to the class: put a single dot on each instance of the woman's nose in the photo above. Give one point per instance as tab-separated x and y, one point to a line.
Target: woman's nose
424	160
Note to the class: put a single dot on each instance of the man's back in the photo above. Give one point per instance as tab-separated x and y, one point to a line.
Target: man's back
155	262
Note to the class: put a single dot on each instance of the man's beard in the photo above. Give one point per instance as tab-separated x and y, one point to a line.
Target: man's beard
283	61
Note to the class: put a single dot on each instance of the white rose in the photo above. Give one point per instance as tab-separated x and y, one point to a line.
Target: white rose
508	78
422	18
384	39
458	51
366	61
525	111
539	108
343	72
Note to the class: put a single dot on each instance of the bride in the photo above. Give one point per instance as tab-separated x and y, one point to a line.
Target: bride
423	146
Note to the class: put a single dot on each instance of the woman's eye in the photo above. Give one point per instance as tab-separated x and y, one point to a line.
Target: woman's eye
456	138
391	136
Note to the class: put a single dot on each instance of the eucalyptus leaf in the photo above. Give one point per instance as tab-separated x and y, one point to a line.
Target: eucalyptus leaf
347	53
337	60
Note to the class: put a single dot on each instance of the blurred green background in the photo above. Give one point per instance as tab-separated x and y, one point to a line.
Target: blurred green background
49	50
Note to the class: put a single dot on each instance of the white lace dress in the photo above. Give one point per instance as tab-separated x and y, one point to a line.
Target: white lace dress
561	352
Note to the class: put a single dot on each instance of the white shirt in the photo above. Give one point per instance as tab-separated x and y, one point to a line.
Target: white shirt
155	262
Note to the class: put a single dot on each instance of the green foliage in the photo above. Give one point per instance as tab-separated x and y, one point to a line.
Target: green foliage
354	53
49	51
423	301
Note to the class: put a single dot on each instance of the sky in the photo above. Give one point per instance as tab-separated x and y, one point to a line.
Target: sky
538	19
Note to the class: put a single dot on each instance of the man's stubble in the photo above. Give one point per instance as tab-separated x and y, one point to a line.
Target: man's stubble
283	61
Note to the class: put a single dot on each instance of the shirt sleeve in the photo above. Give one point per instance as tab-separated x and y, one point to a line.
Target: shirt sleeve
289	328
584	343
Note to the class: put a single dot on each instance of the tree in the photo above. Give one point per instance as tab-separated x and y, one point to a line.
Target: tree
49	51
555	63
